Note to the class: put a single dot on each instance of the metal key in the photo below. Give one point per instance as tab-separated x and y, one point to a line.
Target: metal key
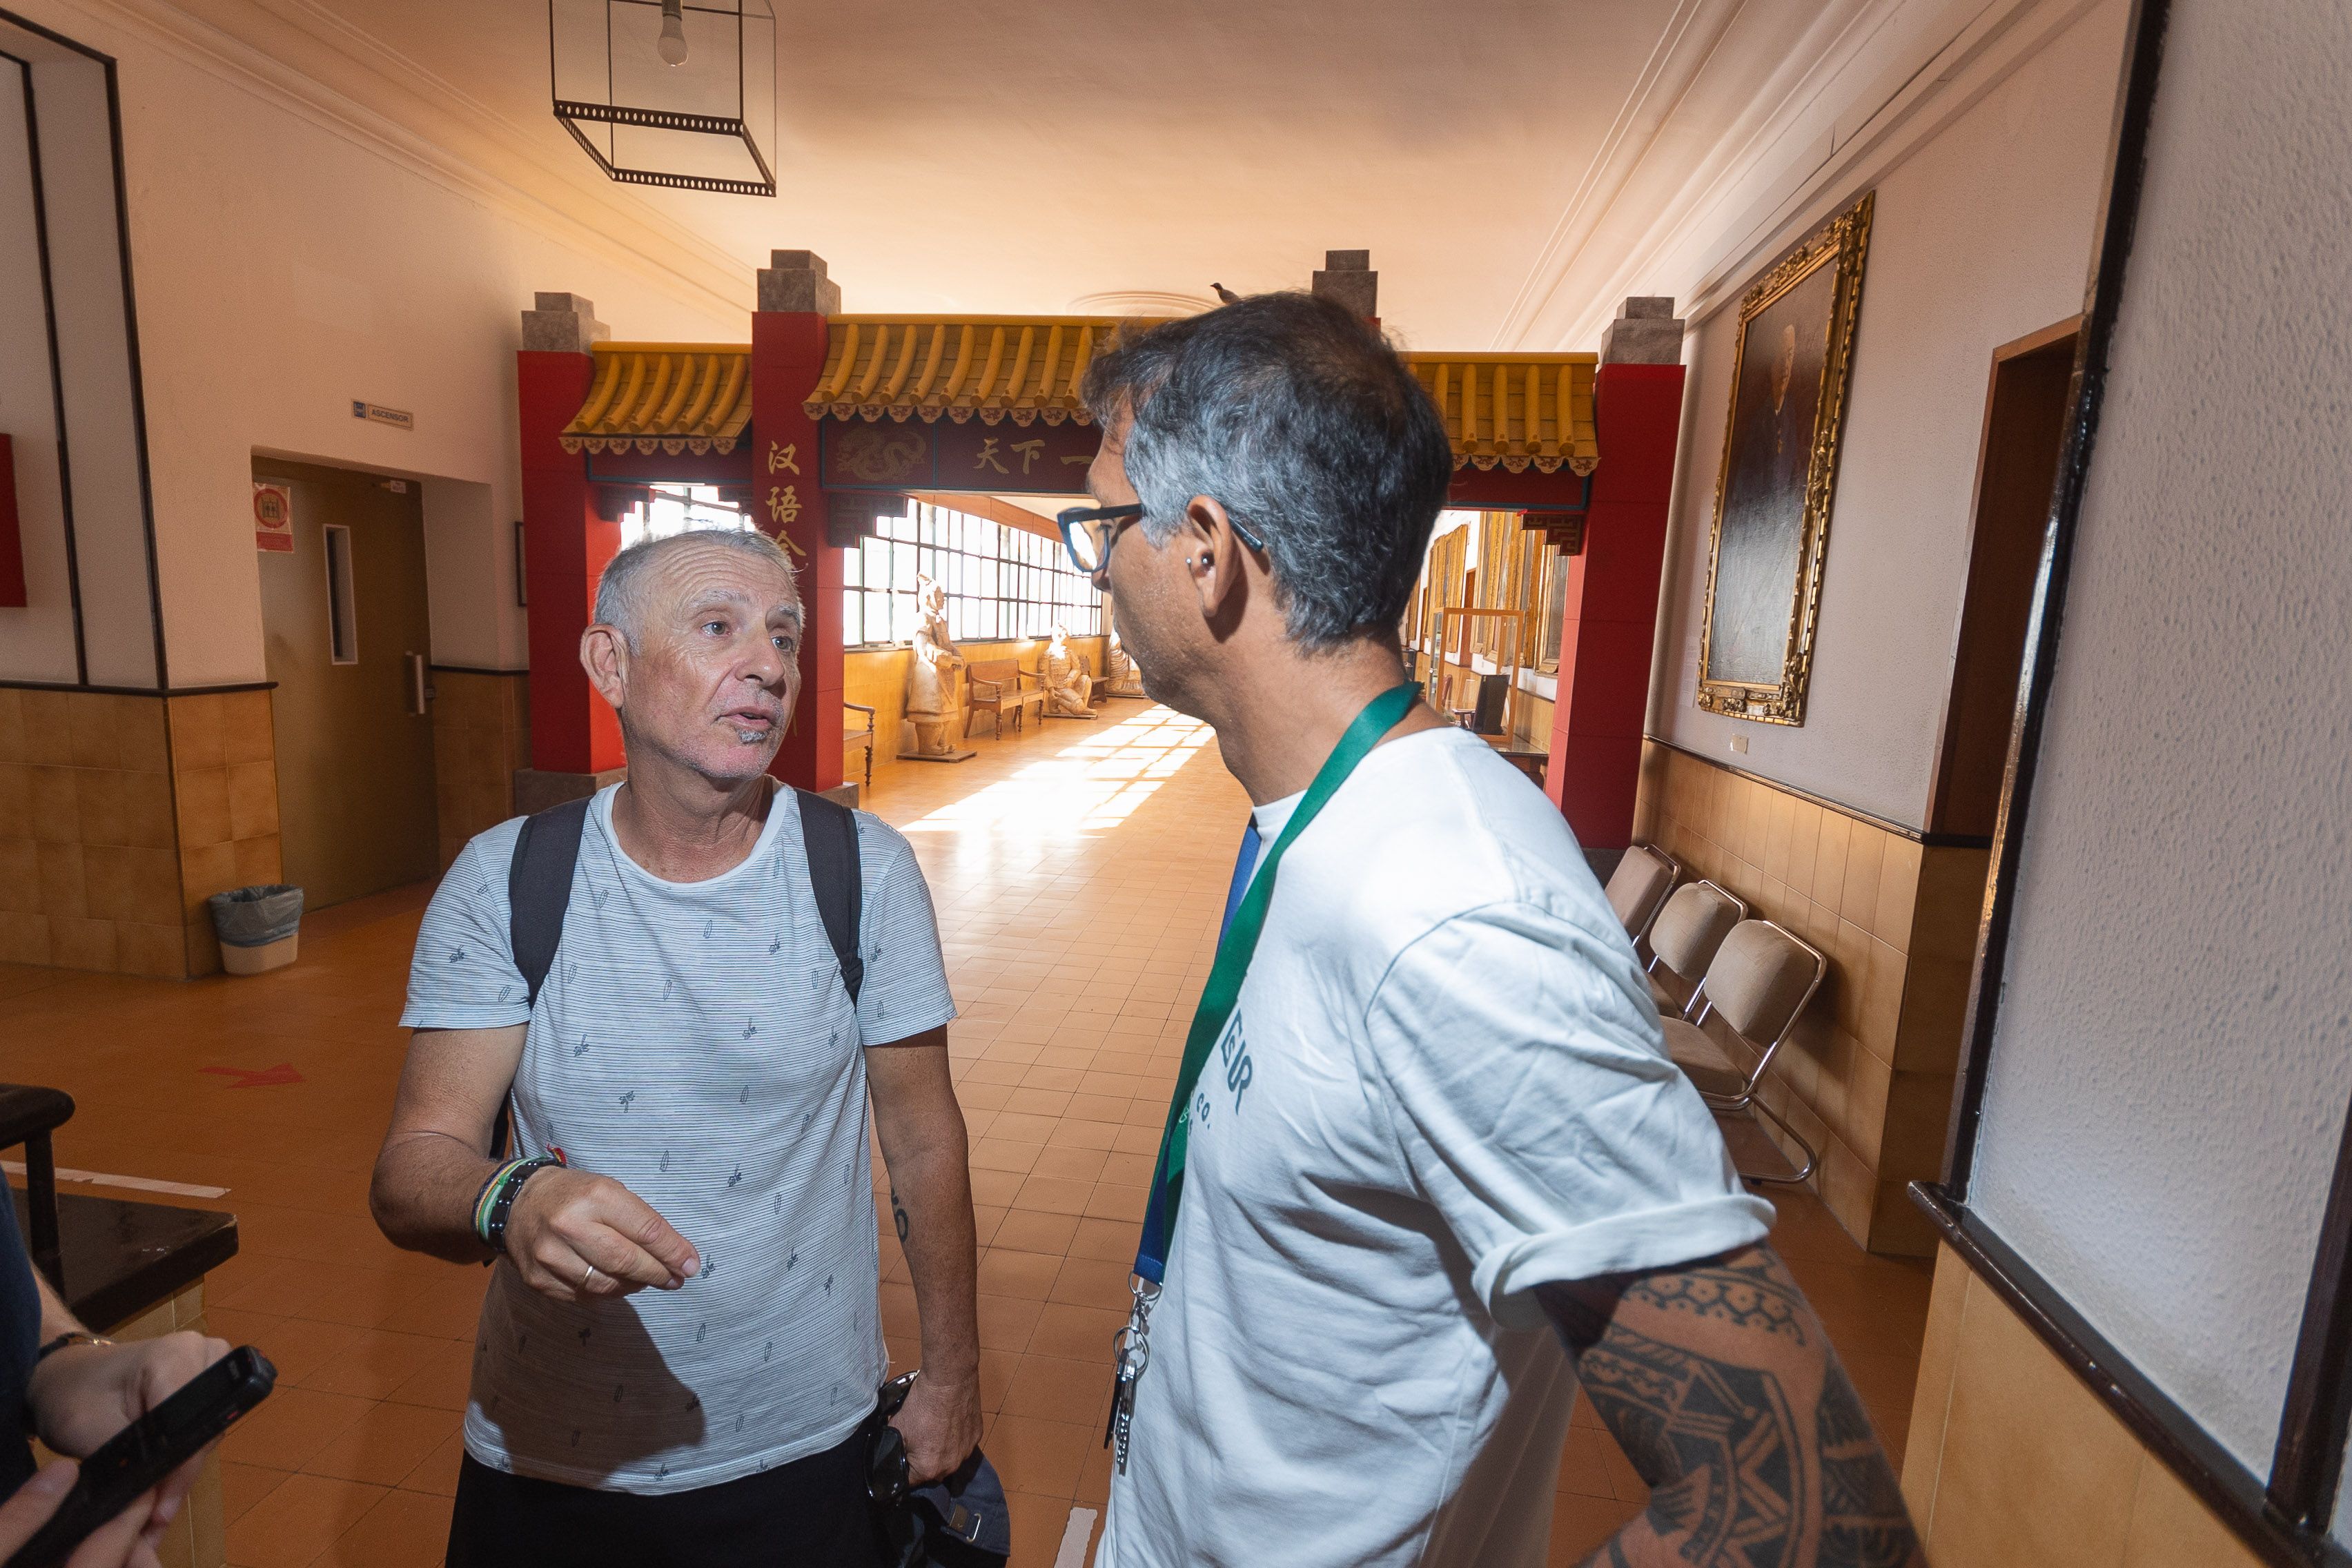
1134	1354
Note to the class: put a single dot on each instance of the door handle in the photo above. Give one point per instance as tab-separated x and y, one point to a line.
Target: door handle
415	684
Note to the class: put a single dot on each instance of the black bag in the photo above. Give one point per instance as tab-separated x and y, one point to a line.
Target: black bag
539	891
957	1521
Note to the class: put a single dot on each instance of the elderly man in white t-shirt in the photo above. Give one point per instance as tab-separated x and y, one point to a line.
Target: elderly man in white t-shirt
680	1341
1433	1165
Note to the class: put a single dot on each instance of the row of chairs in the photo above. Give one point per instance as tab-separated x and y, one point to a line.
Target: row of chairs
1754	975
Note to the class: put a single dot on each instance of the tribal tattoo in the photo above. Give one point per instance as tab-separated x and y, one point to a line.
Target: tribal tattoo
1738	1480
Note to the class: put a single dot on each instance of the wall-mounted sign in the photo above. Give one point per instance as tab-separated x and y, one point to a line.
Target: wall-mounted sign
1023	459
398	419
273	518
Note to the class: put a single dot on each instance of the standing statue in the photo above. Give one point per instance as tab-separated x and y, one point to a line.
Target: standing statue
1062	671
931	703
1121	678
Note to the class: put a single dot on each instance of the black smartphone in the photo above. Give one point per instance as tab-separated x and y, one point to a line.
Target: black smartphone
139	1455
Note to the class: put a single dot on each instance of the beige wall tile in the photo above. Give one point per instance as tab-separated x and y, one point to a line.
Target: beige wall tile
1846	1186
1865	1115
195	725
1780	823
1829	859
257	862
48	726
203	948
2172	1529
1898	1228
1935	1005
1882	1000
57	812
148	817
143	742
1804	846
1951	902
1898	890
1931	1395
159	950
24	938
103	797
83	943
205	869
244	728
95	718
16	796
107	882
20	876
1865	858
1919	1110
154	887
12	726
252	799
63	887
202	797
1850	968
2034	1470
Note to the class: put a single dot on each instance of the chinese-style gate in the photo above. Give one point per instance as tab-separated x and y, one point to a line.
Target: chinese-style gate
824	422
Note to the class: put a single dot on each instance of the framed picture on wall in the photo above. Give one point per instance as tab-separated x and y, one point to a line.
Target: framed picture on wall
1774	492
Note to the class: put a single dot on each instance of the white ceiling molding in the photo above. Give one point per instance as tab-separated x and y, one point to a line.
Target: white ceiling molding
1853	96
346	83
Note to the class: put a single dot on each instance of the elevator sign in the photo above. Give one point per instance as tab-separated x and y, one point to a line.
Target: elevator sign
273	518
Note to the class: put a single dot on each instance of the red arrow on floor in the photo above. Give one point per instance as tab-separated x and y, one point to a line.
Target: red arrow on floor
267	1078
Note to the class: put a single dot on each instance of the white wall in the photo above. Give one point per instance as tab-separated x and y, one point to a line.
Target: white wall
286	264
1982	235
2174	1056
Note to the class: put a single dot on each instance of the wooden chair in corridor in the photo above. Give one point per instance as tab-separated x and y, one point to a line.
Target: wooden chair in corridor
1759	983
996	690
852	734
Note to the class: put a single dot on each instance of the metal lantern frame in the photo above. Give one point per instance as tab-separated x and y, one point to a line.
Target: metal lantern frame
572	111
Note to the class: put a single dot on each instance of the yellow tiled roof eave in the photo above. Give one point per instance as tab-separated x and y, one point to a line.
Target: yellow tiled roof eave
664	397
991	368
1514	411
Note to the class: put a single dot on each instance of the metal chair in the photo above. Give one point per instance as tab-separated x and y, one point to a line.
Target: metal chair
1638	888
1686	935
1759	983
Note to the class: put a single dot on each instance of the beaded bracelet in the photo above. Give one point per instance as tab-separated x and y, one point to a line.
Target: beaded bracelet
495	1204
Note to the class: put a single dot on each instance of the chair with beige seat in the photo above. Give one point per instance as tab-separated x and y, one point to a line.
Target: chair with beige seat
1638	888
1759	983
1685	937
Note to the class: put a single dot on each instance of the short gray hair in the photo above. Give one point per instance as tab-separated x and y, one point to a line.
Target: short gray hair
621	591
1296	416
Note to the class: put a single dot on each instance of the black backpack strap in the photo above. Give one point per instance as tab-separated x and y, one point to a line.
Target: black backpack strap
829	834
539	891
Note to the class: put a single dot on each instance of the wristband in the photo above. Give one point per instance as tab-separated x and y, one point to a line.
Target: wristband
496	1202
66	1341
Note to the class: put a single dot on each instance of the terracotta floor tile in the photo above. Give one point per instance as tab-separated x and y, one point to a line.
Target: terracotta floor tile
1580	1524
1038	1103
1076	1333
1093	1282
1027	1230
1024	1275
438	1473
1083	1135
1103	1238
1042	1077
405	1529
996	1370
298	1521
1039	1458
384	1446
290	1426
1070	1164
1055	1389
1038	1523
1006	1323
1052	1194
996	1188
1002	1154
374	1364
242	1486
1022	1127
444	1379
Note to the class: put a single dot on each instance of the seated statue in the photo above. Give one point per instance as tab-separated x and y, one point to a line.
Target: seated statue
1062	671
1121	678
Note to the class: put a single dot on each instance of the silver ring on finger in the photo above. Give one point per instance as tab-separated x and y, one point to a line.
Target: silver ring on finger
587	1279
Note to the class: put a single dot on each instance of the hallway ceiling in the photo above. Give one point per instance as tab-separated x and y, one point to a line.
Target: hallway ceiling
1039	156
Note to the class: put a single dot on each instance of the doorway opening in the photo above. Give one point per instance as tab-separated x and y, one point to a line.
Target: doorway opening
2017	468
348	635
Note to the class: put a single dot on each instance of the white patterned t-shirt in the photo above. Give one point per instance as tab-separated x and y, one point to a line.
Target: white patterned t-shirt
694	1042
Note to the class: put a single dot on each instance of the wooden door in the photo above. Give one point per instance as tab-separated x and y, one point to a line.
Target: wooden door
345	613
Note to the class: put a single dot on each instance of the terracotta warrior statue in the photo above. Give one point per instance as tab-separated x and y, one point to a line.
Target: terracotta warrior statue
1121	677
1062	671
931	704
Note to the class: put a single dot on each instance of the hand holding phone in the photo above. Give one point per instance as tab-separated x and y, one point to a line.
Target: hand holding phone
134	1461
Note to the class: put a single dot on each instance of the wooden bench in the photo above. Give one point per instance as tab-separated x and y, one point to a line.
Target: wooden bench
996	690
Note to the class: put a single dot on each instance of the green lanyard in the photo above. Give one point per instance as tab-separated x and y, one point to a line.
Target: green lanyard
1234	949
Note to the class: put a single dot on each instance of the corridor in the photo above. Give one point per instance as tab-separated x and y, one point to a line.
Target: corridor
1078	870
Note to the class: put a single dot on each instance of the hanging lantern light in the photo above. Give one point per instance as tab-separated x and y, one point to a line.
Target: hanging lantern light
669	92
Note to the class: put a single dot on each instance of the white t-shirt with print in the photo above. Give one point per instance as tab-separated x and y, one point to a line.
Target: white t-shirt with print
1443	1085
693	1041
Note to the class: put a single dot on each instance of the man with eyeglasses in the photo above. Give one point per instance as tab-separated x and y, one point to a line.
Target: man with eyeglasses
1427	1166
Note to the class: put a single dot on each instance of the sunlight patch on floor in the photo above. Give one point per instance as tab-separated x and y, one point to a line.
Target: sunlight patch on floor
1089	785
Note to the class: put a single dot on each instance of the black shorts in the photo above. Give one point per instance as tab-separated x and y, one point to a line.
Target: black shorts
810	1513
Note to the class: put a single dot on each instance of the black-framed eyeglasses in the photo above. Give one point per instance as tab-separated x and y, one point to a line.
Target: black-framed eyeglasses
1090	534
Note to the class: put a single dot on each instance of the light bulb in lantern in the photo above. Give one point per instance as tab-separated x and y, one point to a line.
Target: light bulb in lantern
672	47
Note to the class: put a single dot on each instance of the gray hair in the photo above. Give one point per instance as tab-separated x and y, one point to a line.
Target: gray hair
621	591
1296	416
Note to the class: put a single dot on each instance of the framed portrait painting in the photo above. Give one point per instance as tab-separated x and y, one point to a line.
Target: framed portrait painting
1778	477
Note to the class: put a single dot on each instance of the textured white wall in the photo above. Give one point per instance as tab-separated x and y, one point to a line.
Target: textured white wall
2174	1056
285	265
1980	237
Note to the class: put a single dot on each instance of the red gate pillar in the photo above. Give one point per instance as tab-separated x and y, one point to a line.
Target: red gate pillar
574	736
1612	596
788	349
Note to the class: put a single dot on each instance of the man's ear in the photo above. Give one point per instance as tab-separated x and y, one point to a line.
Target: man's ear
605	655
1213	557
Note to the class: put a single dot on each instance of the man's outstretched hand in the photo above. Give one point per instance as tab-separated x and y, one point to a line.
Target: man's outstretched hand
566	1221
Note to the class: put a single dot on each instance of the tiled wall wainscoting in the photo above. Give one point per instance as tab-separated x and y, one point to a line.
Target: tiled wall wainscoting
120	815
2011	1461
481	735
1868	1076
878	678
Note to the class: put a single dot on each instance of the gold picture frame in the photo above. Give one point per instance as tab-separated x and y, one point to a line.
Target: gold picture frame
1779	476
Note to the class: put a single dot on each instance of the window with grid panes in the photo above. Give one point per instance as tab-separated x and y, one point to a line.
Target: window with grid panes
1001	582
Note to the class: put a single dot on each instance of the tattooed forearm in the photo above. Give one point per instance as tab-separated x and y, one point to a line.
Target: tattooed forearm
899	1216
1718	1384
